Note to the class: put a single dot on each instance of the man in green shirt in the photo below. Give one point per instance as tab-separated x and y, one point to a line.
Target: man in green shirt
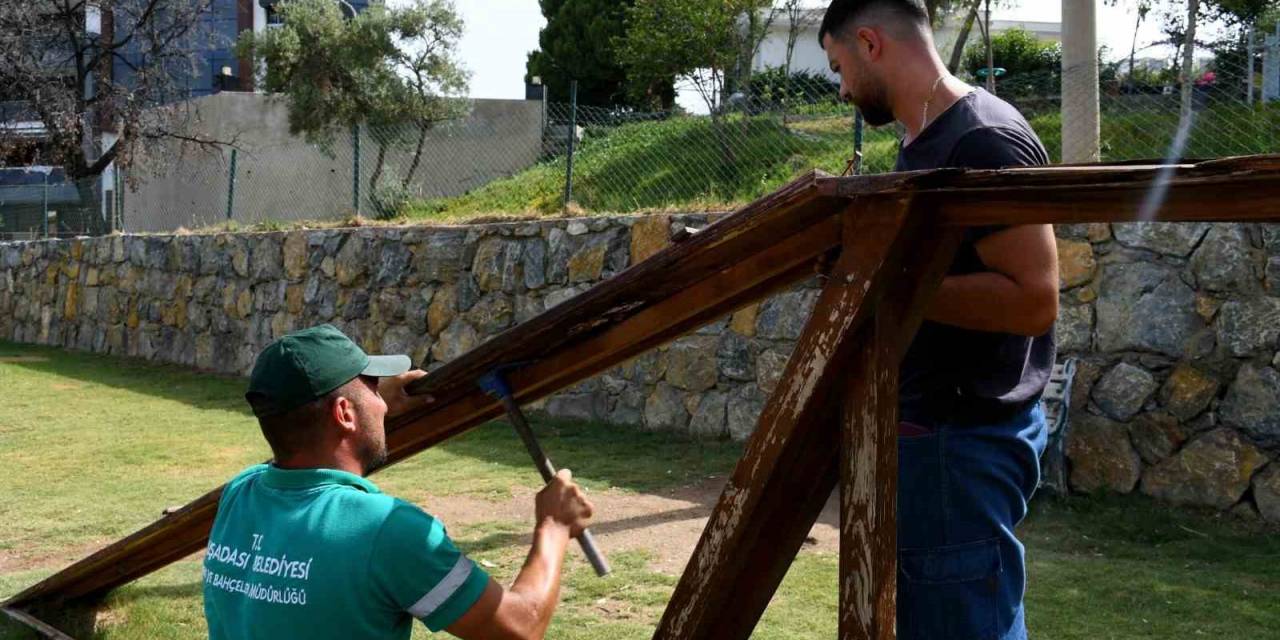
305	547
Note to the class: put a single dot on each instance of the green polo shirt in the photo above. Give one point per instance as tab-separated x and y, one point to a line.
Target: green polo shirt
321	553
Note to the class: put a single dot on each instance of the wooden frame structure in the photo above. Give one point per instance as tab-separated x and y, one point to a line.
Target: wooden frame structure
882	244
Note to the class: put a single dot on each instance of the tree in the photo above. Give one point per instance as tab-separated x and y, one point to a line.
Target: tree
1032	67
385	67
1143	8
1181	26
940	11
1235	13
799	19
698	40
962	36
579	43
753	27
63	76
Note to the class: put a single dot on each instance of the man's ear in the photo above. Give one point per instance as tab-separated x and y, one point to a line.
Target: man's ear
868	43
343	412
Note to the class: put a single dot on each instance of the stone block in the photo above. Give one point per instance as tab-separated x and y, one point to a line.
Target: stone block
1246	327
491	314
1224	261
1214	470
1075	328
649	235
1156	436
769	369
267	263
1076	264
736	356
534	264
1145	307
783	316
351	263
1169	238
1188	391
708	419
665	409
1123	391
456	339
1266	492
393	264
692	364
587	263
295	255
444	306
1252	404
1101	456
744	410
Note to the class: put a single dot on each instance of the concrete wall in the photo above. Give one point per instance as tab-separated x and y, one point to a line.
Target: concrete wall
281	177
1176	327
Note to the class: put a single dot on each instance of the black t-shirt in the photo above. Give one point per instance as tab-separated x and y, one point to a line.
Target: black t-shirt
954	376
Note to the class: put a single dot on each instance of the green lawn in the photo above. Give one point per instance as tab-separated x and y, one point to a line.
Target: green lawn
96	447
689	164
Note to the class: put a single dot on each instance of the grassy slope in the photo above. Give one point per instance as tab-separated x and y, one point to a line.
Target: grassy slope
101	445
679	163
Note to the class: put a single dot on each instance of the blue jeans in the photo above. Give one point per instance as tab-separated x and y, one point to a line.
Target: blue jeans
961	491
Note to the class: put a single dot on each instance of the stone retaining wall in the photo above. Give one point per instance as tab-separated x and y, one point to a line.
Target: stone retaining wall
1176	327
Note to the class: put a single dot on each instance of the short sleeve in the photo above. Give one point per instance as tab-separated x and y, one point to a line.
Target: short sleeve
995	148
416	567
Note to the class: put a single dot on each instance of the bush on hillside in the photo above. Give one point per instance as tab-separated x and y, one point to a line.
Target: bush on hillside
1032	67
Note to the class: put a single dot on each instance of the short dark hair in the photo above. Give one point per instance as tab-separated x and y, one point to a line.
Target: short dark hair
292	432
843	12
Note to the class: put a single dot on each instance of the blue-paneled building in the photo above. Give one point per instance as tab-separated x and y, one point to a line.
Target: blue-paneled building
36	200
213	46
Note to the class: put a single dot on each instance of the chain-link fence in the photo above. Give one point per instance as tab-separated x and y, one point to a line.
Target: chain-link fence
44	203
265	174
771	130
502	157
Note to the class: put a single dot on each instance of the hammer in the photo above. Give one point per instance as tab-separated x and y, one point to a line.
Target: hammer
494	383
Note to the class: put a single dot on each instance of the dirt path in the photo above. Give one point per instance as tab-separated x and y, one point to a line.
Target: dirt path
667	523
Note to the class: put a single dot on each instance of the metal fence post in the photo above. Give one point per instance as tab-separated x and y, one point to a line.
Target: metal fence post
119	201
857	142
573	135
44	205
1249	74
231	187
355	168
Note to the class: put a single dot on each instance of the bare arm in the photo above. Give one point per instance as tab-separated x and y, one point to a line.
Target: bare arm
523	612
1018	294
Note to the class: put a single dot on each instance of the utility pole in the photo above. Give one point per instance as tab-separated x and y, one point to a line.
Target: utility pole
1189	61
991	62
1081	120
1248	99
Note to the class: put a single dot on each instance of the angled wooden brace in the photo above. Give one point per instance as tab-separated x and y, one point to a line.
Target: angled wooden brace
891	260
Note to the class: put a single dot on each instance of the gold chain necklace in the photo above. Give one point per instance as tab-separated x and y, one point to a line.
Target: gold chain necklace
924	117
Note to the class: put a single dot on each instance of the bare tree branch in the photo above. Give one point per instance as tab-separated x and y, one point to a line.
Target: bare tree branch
80	85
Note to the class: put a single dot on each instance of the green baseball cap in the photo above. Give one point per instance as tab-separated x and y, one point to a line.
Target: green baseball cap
307	364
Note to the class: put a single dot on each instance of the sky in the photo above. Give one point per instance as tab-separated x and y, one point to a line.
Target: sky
500	33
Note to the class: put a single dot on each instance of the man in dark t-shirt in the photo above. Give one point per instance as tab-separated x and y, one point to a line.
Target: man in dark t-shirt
971	426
